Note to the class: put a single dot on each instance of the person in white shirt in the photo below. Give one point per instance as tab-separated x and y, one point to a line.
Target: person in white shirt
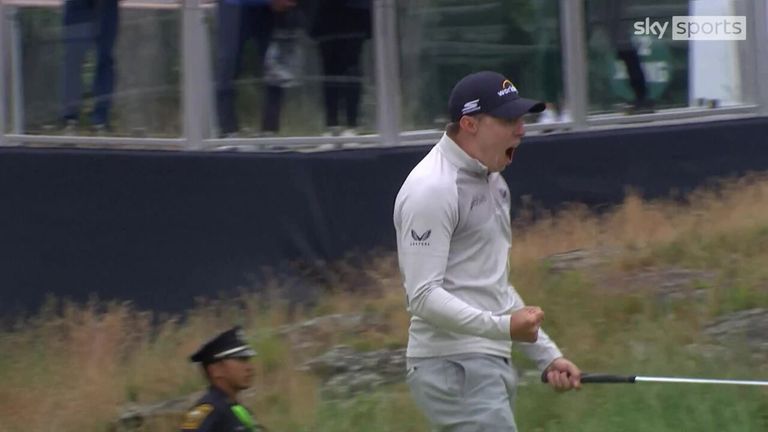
452	219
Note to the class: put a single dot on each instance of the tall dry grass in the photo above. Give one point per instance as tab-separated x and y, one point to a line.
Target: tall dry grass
726	206
72	366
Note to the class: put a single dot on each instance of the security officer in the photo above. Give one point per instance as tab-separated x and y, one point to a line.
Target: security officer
226	363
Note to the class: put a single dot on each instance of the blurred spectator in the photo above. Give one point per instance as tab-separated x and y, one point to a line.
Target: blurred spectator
239	21
284	63
549	61
612	14
89	23
340	27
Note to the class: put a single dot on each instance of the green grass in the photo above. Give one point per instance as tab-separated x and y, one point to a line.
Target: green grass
647	407
74	365
650	350
389	410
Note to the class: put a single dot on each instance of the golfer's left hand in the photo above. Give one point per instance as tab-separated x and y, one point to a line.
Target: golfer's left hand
563	375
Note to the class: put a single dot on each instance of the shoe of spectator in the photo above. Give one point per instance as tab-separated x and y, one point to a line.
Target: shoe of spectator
640	107
100	129
333	131
70	127
349	132
547	116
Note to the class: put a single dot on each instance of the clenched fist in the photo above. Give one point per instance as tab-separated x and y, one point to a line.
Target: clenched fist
524	324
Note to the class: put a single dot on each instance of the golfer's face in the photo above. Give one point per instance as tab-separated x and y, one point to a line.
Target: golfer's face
498	139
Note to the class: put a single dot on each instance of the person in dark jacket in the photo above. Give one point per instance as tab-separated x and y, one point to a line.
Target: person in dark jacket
340	28
238	21
88	24
225	360
613	15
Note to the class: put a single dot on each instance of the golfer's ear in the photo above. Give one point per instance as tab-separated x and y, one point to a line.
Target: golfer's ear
469	123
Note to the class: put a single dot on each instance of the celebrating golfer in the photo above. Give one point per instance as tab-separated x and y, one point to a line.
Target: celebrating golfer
452	217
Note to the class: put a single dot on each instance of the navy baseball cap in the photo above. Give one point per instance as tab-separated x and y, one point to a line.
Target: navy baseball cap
489	93
228	344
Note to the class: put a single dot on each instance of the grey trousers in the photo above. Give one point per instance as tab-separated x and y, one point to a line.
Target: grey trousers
464	393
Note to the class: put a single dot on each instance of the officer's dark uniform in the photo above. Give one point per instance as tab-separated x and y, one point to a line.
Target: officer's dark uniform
215	411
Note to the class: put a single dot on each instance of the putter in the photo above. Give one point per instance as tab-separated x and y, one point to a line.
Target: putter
600	378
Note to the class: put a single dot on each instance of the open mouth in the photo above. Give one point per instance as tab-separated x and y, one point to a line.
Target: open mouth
510	152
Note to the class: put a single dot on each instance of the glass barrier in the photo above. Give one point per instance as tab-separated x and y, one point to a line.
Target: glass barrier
639	61
443	40
72	68
304	70
93	69
148	85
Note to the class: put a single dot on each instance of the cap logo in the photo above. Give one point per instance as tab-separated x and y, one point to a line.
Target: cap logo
471	106
507	88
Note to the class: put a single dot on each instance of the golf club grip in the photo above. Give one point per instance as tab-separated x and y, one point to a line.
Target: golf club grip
599	378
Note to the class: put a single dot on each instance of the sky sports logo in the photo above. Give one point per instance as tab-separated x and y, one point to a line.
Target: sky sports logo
715	28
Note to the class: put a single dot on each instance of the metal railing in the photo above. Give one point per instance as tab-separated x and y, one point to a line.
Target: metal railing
197	111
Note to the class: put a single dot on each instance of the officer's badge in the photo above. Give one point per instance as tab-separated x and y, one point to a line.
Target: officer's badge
195	416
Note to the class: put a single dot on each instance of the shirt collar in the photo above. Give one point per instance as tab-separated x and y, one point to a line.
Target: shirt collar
220	394
457	156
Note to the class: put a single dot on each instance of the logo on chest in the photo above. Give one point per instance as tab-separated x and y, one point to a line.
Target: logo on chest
503	193
477	201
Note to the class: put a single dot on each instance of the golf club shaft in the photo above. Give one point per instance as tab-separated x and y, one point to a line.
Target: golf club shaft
699	381
598	378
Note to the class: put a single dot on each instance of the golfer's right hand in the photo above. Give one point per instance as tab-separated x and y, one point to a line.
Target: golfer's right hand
524	324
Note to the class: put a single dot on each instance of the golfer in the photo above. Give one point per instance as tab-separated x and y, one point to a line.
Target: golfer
452	218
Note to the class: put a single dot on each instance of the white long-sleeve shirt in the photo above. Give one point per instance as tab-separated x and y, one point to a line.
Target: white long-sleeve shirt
452	219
